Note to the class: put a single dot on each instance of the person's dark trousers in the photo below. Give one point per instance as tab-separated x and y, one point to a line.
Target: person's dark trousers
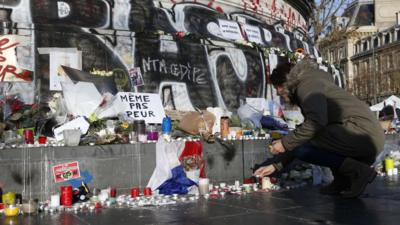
359	173
321	157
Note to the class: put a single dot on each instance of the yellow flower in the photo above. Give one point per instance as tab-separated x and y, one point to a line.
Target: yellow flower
93	117
125	125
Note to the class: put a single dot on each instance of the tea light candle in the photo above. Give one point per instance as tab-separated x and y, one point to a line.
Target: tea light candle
52	210
247	188
142	138
237	185
255	187
92	208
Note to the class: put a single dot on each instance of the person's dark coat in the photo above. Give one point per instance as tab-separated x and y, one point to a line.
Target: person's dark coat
334	119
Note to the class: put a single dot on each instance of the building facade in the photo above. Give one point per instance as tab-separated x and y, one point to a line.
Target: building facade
361	20
376	65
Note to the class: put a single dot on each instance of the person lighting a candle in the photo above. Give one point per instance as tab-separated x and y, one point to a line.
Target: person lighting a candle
339	131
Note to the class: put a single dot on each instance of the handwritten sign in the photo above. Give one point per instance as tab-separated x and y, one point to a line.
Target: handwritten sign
9	69
253	33
230	29
142	106
66	171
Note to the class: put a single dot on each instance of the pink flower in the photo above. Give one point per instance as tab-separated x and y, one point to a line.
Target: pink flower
180	34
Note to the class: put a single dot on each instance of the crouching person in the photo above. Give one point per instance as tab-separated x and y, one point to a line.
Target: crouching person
339	131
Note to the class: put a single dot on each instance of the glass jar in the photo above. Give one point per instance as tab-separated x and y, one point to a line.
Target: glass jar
152	133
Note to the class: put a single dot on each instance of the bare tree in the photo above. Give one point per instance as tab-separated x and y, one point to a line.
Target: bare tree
323	12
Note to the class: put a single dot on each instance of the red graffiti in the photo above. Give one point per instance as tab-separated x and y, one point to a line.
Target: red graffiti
289	16
10	69
7	69
273	7
5	41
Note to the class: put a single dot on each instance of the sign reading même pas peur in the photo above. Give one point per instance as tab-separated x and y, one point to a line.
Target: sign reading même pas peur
142	106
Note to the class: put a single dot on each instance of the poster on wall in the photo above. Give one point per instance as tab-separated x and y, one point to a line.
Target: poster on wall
10	70
253	33
135	77
230	29
66	171
69	57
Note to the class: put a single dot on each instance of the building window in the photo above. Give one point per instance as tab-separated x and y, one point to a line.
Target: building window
332	55
365	67
365	46
376	42
387	38
377	65
366	15
389	61
355	70
341	55
398	35
398	59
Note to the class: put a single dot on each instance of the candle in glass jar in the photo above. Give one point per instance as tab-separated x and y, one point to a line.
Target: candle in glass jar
224	127
204	186
55	200
152	133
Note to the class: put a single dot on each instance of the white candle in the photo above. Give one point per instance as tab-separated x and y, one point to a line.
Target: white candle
266	183
204	186
237	185
55	200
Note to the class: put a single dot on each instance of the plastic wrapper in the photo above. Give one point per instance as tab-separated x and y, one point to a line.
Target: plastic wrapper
196	123
82	98
248	113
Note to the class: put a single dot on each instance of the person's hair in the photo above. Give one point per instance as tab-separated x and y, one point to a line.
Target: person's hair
279	74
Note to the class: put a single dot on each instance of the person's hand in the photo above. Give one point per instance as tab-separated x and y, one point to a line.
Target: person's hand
277	147
264	171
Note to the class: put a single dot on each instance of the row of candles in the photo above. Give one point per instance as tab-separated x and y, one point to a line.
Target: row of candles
71	199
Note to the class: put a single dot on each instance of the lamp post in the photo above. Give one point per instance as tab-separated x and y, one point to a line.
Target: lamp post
374	70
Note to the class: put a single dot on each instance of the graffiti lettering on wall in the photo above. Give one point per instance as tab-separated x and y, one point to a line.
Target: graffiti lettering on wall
183	72
9	68
115	36
275	9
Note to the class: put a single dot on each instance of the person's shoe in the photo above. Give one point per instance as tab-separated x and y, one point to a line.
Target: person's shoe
360	175
339	184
